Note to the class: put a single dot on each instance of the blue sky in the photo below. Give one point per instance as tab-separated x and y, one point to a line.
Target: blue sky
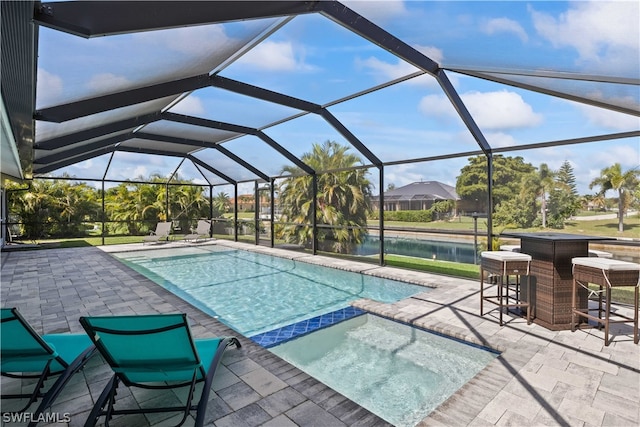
315	59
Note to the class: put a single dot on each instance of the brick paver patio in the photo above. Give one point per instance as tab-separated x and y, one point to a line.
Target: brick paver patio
541	378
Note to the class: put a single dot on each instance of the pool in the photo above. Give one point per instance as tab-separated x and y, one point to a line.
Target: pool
298	311
254	293
398	372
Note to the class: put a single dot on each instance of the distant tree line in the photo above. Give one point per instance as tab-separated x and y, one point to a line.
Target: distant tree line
52	208
523	196
65	207
440	209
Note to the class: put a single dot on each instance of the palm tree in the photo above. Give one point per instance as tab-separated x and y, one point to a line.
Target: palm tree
121	208
33	207
68	200
625	183
545	184
132	204
187	203
221	202
74	204
535	186
343	199
151	201
599	201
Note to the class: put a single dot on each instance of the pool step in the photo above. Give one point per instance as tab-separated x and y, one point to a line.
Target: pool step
295	330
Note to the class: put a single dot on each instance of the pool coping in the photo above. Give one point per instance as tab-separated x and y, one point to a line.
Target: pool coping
488	381
542	378
251	384
518	387
515	387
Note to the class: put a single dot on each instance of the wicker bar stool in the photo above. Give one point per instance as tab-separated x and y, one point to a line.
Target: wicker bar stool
501	265
606	273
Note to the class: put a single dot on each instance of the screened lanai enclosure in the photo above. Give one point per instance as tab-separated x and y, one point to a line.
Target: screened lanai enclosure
287	117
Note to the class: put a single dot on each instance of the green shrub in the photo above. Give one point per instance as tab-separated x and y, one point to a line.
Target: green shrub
405	216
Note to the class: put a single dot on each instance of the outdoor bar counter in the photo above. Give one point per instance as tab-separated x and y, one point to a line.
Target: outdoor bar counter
551	276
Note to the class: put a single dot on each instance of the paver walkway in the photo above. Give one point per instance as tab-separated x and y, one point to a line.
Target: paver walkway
541	378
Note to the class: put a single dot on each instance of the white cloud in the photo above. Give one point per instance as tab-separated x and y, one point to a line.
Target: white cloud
275	56
554	156
134	165
587	159
378	11
88	165
609	119
190	106
602	32
491	110
505	25
193	41
437	105
140	171
108	82
387	71
431	52
49	88
500	110
626	155
401	175
500	139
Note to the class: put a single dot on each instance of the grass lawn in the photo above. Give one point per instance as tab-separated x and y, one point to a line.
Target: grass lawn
604	227
600	227
620	294
93	241
434	266
460	223
79	242
593	213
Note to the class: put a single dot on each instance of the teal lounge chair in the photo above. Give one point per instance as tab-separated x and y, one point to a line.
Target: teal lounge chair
25	354
154	352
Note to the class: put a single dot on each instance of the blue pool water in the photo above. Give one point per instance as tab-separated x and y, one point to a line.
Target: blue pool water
254	293
398	372
298	311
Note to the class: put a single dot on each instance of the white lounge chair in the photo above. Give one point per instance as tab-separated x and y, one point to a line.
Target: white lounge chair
201	231
163	230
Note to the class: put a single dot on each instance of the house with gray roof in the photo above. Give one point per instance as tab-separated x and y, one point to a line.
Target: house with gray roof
415	196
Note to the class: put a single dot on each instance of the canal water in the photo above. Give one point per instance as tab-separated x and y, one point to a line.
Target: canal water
461	251
433	249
